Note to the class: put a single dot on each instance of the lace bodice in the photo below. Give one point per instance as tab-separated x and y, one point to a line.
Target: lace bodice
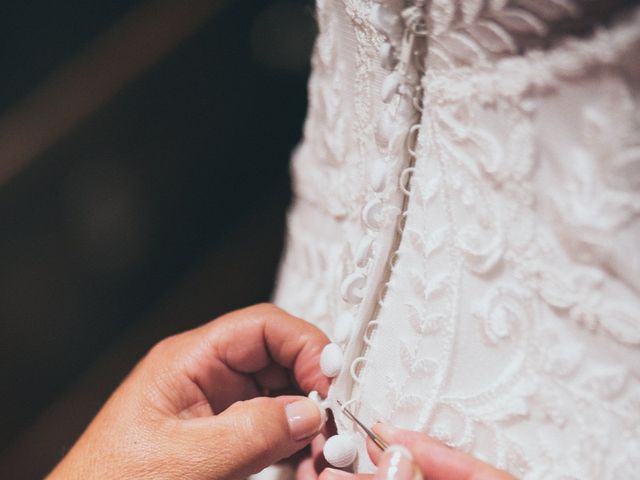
468	233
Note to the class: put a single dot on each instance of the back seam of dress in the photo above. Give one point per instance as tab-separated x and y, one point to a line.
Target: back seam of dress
412	58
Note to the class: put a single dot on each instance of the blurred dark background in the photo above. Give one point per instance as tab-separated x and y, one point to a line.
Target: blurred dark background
144	150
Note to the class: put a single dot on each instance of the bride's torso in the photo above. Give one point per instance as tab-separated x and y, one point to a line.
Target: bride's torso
470	235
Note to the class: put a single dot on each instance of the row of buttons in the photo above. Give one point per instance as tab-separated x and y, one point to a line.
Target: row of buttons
390	134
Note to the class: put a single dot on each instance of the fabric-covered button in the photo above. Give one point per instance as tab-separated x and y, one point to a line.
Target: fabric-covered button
377	174
352	287
331	360
340	450
387	129
342	328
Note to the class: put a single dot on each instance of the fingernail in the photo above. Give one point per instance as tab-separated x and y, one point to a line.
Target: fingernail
335	474
396	463
304	419
385	430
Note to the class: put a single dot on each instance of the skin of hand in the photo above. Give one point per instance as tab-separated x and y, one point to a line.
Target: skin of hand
192	407
414	455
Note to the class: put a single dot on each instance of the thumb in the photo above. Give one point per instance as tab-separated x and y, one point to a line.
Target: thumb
253	434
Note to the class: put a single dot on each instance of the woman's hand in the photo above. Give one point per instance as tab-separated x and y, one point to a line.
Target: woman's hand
192	408
415	455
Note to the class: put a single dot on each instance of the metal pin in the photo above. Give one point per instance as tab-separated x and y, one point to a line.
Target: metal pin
374	437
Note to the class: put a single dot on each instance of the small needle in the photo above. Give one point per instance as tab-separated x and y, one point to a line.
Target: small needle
376	438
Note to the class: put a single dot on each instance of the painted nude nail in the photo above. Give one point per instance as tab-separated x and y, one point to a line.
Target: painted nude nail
304	419
396	463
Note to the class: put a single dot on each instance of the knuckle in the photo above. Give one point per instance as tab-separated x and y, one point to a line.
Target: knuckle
250	314
265	308
163	347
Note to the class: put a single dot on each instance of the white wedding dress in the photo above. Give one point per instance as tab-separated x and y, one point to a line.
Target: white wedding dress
466	228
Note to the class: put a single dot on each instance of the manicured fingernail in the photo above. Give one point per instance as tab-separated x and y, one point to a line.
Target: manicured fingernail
396	463
304	419
335	474
385	430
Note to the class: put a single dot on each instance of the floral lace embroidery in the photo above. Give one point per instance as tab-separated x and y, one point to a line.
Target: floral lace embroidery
510	325
532	292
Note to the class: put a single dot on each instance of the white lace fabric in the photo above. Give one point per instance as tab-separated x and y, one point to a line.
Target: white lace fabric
505	320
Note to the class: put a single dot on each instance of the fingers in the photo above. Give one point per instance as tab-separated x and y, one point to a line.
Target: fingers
246	351
273	379
311	467
435	459
236	357
334	474
319	462
396	463
306	470
256	433
249	341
